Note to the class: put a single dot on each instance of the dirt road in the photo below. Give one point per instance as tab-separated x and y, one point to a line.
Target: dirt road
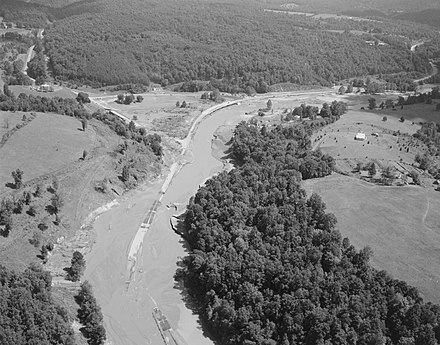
434	72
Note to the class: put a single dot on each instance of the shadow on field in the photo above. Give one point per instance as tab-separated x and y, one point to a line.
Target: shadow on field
10	185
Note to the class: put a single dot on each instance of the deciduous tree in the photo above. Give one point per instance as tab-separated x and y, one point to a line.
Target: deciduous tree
17	175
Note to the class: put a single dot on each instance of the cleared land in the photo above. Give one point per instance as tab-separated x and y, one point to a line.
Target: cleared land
158	111
380	145
44	146
400	224
28	90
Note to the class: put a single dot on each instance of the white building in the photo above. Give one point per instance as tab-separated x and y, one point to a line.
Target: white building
360	136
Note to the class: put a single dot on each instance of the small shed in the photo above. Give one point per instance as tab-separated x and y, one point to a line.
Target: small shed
360	136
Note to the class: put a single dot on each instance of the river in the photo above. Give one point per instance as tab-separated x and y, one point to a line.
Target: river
127	308
128	293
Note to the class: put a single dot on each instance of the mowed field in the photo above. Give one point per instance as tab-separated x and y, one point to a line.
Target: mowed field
43	146
400	224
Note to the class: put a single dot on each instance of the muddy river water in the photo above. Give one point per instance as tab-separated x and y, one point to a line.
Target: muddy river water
127	307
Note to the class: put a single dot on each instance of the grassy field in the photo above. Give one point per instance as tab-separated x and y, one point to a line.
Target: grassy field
59	141
58	91
338	140
400	224
9	120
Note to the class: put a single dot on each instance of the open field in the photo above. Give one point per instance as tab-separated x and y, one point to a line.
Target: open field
43	146
9	120
415	112
400	224
338	139
58	91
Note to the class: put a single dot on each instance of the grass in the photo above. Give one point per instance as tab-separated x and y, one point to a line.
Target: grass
45	145
58	91
400	224
9	120
337	139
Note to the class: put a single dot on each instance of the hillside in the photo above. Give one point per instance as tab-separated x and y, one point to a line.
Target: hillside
384	6
429	16
238	44
48	148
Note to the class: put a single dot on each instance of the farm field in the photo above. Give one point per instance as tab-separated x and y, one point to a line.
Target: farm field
60	140
338	140
9	120
400	224
58	91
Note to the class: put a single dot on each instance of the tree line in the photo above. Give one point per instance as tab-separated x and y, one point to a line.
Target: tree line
268	265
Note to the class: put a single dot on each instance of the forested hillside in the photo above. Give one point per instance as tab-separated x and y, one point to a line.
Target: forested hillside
268	265
114	42
385	6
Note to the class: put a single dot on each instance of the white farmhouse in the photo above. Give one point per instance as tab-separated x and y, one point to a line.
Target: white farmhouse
360	136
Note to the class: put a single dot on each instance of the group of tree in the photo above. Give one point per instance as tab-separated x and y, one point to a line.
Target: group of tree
27	103
13	65
335	109
168	44
267	265
130	131
77	266
37	68
213	95
90	316
129	98
429	133
29	314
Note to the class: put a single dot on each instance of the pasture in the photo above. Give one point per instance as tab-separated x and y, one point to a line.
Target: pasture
400	224
58	91
43	146
8	120
338	139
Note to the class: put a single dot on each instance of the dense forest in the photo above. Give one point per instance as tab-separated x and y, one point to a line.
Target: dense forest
28	312
268	265
238	43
